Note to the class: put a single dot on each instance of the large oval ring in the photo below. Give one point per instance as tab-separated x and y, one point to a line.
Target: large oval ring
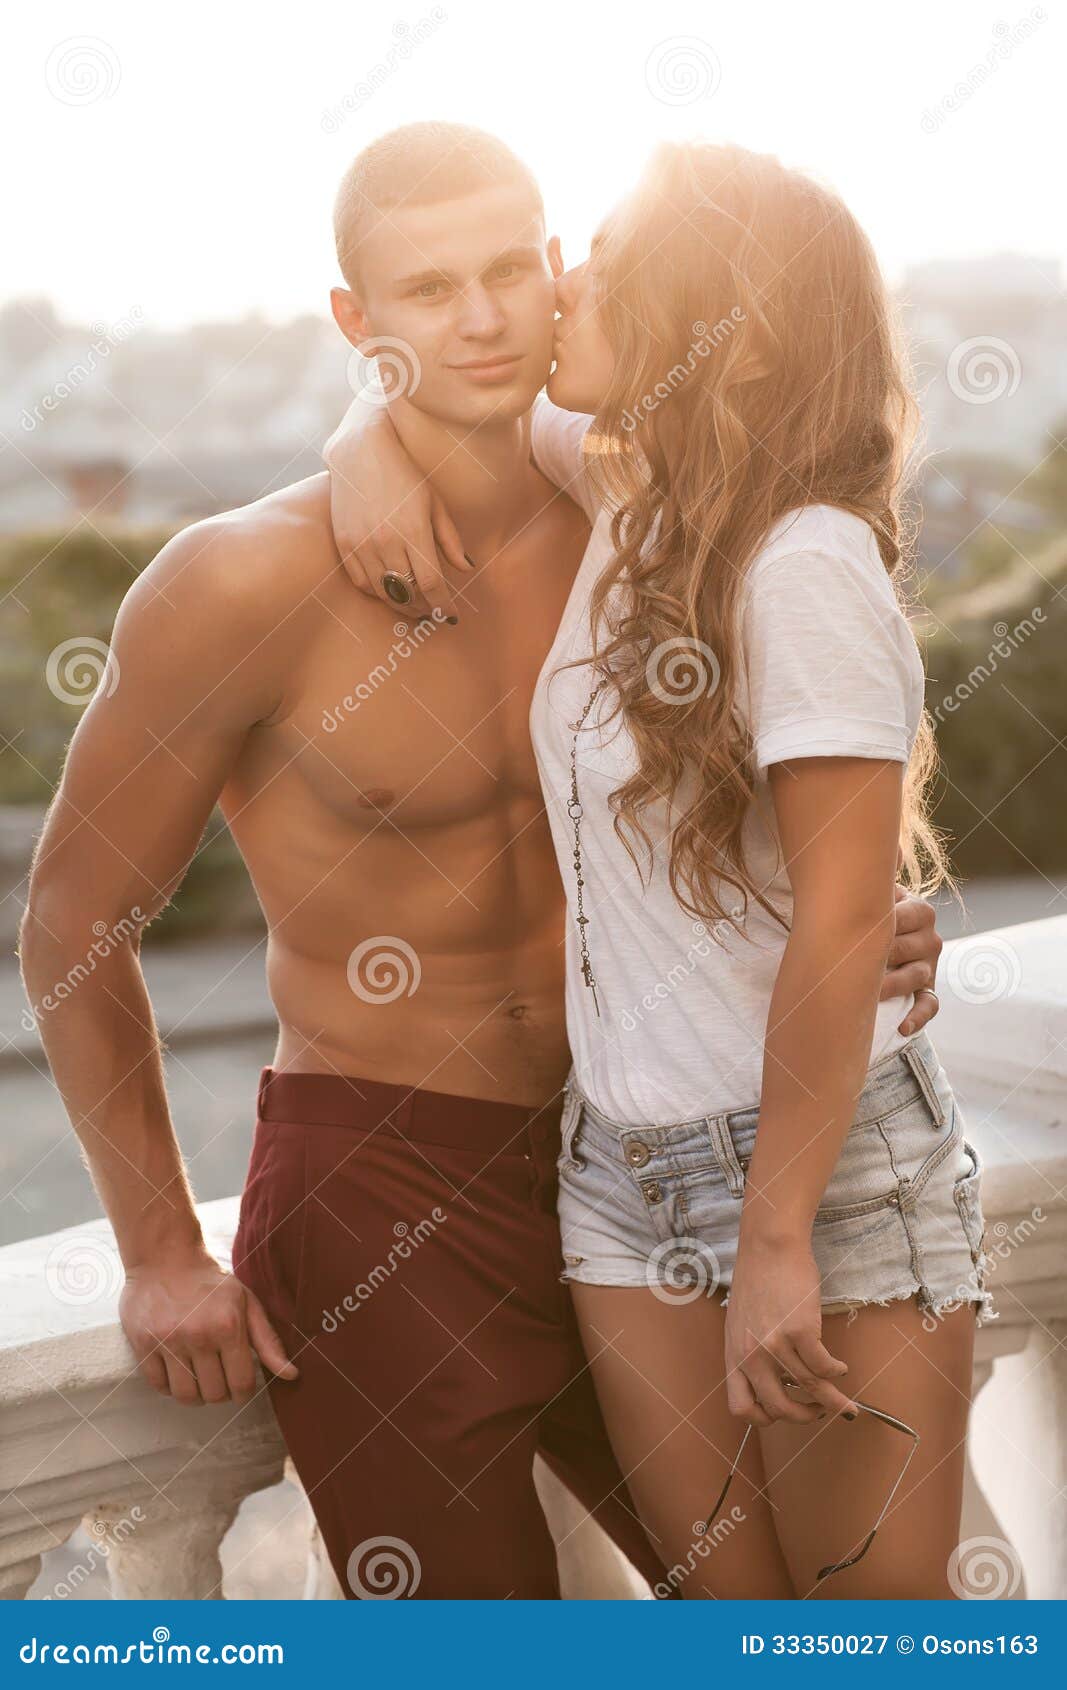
398	587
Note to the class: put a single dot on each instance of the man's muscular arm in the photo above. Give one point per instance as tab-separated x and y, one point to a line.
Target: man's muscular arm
194	665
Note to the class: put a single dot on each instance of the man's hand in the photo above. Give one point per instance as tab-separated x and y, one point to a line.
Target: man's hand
194	1329
913	958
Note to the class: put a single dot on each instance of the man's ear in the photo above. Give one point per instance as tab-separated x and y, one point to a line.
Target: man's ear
349	315
555	258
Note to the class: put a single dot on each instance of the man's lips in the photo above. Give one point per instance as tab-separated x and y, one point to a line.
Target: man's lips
490	369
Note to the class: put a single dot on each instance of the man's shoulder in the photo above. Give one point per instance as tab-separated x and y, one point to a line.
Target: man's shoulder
255	562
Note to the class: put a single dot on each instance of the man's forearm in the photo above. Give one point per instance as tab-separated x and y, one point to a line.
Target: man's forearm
96	1023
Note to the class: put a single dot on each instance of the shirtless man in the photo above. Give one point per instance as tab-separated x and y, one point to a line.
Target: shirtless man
395	1267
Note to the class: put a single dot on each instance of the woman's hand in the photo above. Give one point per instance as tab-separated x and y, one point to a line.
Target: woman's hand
386	516
774	1332
913	959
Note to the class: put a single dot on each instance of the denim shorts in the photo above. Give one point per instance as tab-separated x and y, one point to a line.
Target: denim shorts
900	1217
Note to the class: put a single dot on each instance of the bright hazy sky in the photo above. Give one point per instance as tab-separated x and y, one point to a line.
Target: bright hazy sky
182	159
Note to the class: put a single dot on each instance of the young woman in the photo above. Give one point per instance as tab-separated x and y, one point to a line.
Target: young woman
770	1215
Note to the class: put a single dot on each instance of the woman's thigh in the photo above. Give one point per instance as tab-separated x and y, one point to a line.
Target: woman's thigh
829	1481
657	1363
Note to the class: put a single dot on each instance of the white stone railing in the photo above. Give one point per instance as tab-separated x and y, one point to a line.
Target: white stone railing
87	1442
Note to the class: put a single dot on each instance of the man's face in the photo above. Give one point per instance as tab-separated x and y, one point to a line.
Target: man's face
467	285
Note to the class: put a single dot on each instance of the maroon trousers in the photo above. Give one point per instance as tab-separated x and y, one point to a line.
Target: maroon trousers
405	1245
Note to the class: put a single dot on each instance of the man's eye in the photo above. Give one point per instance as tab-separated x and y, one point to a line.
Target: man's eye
504	271
428	290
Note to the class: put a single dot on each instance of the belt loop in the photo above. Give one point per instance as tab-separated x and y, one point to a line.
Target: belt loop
913	1058
725	1154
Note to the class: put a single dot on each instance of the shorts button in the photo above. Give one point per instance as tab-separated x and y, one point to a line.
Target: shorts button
638	1153
653	1192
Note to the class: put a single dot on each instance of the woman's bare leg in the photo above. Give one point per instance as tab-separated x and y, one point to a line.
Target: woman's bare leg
830	1480
658	1369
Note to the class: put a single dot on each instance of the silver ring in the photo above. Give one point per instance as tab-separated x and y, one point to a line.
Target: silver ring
398	587
931	991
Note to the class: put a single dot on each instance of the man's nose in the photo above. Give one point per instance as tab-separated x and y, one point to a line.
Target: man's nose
480	316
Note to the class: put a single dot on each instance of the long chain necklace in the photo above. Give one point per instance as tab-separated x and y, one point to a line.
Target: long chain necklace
574	810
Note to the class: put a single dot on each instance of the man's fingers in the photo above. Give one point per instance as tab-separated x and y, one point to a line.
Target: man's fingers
447	536
182	1379
154	1369
210	1378
266	1342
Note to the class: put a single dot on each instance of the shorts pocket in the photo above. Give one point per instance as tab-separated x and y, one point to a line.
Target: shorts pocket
966	1194
570	1121
269	1246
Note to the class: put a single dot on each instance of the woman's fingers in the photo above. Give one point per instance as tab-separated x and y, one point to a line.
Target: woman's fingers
764	1372
434	590
447	536
741	1399
811	1366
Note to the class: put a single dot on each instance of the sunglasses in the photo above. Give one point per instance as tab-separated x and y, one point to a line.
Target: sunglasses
850	1560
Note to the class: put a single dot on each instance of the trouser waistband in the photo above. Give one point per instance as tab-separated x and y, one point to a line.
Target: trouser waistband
435	1117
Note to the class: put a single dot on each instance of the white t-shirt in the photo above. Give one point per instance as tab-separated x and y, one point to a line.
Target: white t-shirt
829	668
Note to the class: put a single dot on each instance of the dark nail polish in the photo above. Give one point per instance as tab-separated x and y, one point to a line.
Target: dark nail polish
850	1414
453	621
470	560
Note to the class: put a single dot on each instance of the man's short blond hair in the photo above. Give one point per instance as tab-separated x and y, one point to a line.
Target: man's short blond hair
415	165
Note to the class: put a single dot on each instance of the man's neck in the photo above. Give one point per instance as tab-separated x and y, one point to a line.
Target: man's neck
482	475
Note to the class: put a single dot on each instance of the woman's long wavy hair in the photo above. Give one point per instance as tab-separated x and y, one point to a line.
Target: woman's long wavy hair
757	369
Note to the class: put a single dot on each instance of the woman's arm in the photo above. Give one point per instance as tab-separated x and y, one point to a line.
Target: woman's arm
839	822
385	514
